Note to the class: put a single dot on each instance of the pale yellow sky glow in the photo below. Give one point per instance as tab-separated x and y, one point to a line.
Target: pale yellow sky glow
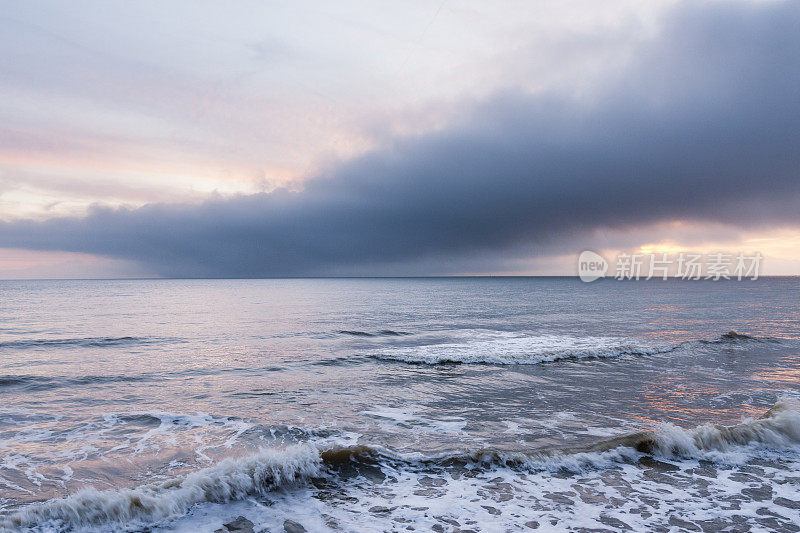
780	248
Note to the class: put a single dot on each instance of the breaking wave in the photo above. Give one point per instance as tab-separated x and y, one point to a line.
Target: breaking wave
505	348
778	428
236	479
229	480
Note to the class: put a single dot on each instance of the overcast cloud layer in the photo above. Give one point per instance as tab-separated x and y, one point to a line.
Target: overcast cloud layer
701	126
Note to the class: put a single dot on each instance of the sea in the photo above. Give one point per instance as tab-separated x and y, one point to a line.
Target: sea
486	404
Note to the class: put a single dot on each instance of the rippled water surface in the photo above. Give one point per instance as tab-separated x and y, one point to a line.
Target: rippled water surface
491	404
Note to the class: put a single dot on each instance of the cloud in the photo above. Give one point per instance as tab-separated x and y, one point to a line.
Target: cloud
701	126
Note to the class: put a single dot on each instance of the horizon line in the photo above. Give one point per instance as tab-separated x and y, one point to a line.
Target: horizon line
445	276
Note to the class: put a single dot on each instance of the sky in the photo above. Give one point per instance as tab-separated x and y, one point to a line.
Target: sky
260	139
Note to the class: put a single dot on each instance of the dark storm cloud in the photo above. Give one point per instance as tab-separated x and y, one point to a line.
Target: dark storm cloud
702	126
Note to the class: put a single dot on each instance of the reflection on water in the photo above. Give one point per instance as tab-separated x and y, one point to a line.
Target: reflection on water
212	369
785	372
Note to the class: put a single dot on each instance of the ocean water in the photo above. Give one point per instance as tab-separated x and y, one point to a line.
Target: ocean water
482	404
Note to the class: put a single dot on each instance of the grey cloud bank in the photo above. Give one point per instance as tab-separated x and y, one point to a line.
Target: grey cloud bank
701	126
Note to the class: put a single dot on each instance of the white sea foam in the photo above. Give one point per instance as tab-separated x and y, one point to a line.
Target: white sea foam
632	494
503	488
407	417
509	492
506	348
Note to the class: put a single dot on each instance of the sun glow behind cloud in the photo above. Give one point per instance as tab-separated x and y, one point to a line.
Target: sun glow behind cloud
780	248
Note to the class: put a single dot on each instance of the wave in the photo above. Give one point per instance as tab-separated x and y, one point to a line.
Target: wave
778	428
733	337
40	383
506	348
229	480
381	333
236	479
509	348
83	342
